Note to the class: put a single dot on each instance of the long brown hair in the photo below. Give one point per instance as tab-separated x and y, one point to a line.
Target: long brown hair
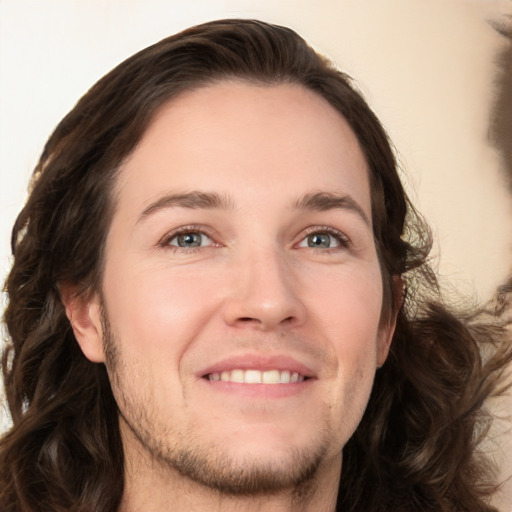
416	446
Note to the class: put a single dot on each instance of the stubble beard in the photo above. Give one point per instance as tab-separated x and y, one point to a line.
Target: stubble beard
210	464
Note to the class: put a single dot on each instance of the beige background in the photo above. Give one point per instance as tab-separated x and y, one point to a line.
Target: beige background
426	66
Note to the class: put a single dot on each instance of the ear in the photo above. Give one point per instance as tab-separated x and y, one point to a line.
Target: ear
387	330
84	315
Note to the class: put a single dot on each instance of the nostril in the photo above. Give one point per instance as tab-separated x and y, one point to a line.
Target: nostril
250	320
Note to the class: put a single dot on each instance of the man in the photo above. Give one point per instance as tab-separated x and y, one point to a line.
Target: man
216	302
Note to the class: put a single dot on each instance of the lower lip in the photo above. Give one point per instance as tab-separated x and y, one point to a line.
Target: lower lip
263	391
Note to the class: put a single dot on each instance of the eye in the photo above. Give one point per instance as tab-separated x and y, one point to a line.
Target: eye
320	240
189	240
324	239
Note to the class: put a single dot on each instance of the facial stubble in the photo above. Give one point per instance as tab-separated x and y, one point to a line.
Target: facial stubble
208	463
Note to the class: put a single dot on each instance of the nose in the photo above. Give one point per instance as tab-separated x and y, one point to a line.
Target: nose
263	294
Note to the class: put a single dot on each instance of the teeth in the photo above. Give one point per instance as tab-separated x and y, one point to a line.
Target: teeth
271	377
237	376
257	376
251	376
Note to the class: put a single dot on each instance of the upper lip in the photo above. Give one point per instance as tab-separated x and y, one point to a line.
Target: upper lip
261	362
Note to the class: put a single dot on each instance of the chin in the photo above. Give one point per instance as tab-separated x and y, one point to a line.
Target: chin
250	475
252	461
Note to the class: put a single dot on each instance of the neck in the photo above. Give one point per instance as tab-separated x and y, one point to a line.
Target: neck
151	487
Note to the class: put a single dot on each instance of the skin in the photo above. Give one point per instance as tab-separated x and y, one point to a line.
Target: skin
242	171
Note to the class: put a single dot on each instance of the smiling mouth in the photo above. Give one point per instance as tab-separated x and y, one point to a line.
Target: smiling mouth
257	376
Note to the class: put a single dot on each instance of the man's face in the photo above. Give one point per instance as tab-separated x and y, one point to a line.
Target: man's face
242	292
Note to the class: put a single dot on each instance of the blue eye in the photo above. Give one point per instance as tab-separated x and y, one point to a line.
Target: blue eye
190	240
324	240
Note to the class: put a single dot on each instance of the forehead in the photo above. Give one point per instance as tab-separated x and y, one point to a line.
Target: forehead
235	137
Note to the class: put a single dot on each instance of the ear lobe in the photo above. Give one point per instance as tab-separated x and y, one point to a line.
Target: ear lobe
388	330
84	315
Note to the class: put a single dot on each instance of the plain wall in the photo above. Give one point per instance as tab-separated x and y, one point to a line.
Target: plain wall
427	67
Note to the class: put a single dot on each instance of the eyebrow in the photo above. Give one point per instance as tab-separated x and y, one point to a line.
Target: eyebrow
192	200
323	201
319	201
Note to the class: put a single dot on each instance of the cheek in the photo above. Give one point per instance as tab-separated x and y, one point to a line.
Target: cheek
348	304
347	311
156	312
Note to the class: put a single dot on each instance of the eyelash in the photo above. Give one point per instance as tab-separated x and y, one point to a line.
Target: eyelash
340	237
184	230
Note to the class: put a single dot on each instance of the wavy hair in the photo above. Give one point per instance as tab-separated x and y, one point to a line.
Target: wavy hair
416	448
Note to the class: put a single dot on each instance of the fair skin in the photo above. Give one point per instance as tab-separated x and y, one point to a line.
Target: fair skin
243	297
